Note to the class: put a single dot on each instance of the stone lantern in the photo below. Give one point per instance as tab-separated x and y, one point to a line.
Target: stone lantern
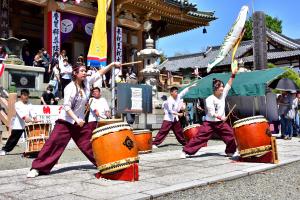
150	71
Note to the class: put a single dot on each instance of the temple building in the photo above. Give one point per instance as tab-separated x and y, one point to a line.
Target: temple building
34	20
282	51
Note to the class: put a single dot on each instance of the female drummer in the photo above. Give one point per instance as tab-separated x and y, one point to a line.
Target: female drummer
70	123
215	121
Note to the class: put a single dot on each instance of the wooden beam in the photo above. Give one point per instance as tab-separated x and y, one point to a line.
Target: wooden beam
4	118
12	98
4	103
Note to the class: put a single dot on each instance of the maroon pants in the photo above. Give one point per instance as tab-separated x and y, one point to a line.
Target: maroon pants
62	133
164	130
205	133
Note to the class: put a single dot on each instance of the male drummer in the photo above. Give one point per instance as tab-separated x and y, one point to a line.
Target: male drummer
215	120
171	121
99	108
24	113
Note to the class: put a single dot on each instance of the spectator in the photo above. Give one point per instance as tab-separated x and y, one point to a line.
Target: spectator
46	65
66	74
48	97
297	117
61	58
56	78
131	78
3	54
80	61
28	58
38	60
54	61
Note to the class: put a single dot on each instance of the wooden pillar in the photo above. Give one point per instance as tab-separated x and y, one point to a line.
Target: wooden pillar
140	47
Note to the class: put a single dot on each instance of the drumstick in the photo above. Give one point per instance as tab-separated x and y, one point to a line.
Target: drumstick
230	112
131	63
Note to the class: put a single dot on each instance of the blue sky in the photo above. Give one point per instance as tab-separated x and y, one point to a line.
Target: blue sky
227	11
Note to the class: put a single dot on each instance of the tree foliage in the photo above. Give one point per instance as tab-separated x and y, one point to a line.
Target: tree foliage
272	23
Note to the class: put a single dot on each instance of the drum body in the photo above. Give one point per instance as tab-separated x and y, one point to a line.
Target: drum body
190	131
36	136
252	136
143	140
103	122
114	147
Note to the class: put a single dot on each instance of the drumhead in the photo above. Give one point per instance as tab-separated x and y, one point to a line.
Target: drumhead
110	120
36	124
249	120
191	126
137	132
103	130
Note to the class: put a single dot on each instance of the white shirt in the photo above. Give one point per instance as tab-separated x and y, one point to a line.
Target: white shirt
99	105
172	105
73	99
55	73
66	71
22	110
216	106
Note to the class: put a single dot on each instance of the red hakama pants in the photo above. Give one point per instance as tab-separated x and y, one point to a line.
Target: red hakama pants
205	133
164	130
61	134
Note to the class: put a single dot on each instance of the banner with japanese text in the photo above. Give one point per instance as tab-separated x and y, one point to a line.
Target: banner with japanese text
54	32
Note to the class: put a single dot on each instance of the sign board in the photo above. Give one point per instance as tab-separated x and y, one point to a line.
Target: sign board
47	113
133	98
54	32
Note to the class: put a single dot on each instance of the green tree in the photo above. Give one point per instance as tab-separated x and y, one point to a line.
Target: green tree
272	23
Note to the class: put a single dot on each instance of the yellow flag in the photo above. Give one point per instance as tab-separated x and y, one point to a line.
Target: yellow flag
98	47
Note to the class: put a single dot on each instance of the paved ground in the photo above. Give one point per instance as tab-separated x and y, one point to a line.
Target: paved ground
161	172
15	159
276	184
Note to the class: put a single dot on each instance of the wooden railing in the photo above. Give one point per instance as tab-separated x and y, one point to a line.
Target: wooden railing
173	80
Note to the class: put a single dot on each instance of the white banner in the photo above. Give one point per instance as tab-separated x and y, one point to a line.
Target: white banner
119	44
47	114
54	30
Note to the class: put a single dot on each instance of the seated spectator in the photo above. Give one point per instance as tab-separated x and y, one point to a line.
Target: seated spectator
48	97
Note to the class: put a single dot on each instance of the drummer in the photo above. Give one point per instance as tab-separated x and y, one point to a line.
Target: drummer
24	114
171	118
70	123
215	121
99	108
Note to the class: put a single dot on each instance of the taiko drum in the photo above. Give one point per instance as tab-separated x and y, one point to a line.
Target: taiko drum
143	140
190	131
114	147
36	136
253	136
103	122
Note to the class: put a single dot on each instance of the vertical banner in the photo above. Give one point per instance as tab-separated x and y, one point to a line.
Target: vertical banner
98	47
119	45
4	18
54	32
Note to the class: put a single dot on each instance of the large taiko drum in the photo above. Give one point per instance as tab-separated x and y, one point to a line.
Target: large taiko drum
253	136
36	136
190	131
114	147
103	122
143	140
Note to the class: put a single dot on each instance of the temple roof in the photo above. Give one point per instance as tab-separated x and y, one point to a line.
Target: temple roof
288	48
